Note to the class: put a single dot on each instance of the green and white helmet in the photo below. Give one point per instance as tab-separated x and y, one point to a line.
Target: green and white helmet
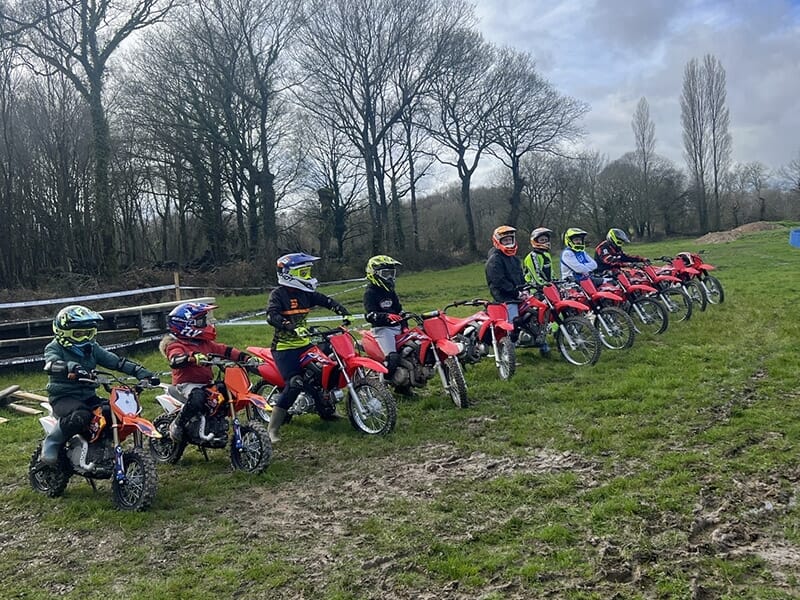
76	326
382	271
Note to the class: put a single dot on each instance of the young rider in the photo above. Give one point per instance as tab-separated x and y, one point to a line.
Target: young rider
575	263
609	253
190	341
537	266
504	270
382	309
70	357
288	307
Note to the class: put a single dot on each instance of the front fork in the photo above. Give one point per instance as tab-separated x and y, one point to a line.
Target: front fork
495	347
237	428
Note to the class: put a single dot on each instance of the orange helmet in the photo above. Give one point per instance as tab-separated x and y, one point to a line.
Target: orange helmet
540	238
504	239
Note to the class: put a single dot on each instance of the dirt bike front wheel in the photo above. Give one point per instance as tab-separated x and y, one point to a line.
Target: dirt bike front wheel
456	382
713	289
46	479
615	327
578	341
649	316
256	452
165	449
696	293
506	359
138	489
375	412
677	302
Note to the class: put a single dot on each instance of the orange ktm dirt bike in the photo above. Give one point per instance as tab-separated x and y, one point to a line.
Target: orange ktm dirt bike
485	331
333	372
98	453
425	350
218	425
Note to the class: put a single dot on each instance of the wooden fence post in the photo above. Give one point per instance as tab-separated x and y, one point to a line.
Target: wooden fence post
176	276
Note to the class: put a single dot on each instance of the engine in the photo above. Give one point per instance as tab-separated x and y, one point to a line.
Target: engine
97	458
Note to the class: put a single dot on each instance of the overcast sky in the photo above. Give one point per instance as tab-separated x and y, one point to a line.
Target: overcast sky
611	53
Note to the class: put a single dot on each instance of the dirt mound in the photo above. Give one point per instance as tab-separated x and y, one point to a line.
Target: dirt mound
718	237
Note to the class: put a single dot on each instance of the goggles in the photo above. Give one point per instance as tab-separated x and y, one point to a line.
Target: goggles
301	272
387	273
83	335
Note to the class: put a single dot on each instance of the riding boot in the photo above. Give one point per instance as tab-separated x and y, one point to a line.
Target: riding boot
52	445
275	422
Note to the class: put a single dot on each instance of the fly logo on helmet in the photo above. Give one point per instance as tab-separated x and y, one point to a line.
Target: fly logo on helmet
190	321
540	238
294	271
504	239
575	239
382	271
76	326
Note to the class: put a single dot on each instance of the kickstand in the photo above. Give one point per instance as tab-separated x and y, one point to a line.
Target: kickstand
205	454
92	483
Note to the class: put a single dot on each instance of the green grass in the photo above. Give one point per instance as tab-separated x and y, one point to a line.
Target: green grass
669	470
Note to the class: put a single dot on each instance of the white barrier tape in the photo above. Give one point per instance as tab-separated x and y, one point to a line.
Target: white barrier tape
309	320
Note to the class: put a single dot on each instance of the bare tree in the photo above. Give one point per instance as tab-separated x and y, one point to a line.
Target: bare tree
77	38
718	122
694	118
644	134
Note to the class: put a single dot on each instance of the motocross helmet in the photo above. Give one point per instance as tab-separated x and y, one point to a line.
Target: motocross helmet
189	321
575	239
294	271
76	326
504	239
382	271
540	238
687	258
617	237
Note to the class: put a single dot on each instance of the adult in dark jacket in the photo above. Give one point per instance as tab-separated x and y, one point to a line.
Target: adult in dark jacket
504	269
69	361
287	310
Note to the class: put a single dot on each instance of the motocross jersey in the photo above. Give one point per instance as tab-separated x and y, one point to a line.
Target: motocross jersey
538	267
178	352
60	386
287	311
504	276
609	256
379	304
574	264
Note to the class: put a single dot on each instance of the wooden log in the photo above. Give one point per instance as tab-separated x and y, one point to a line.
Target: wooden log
5	395
24	409
29	397
3	420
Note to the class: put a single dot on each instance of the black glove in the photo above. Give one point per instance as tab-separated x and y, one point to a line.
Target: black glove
78	372
287	325
340	310
154	381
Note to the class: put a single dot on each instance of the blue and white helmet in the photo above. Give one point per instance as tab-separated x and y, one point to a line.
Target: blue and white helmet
294	270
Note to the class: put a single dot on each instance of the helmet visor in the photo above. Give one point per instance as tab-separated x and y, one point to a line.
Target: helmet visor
387	273
303	272
83	335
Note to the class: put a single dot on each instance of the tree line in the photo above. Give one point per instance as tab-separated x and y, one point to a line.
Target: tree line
140	132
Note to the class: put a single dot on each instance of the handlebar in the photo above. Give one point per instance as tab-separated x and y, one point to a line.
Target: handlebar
473	302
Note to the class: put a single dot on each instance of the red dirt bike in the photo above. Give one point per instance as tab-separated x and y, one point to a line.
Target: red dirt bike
640	302
690	265
486	330
425	350
332	369
668	288
576	338
218	424
613	324
688	278
99	454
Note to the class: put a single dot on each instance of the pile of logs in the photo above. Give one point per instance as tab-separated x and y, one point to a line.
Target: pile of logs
14	398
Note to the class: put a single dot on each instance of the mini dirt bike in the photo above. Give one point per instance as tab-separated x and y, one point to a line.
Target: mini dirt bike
576	338
250	446
486	330
640	302
712	288
688	278
425	350
332	369
668	288
614	325
98	452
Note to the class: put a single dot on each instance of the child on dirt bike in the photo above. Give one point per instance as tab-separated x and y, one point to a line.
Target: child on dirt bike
537	266
288	307
609	253
382	309
575	263
71	356
189	342
504	270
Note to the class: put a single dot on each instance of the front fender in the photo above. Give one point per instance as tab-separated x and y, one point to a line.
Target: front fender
143	425
611	296
579	306
449	347
367	363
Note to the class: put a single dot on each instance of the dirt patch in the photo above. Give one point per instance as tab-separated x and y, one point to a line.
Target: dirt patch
719	237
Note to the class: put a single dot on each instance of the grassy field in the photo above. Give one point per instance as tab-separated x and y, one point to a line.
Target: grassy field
668	470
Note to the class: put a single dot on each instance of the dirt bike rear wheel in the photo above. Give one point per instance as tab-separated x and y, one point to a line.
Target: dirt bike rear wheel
45	479
138	489
678	303
584	336
507	359
379	414
696	293
164	449
714	292
456	382
270	393
649	316
256	451
616	330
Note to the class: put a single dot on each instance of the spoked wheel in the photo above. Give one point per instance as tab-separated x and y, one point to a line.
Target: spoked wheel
138	488
45	479
696	293
649	316
270	393
375	412
506	358
456	382
578	341
164	449
615	327
256	451
677	302
713	290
